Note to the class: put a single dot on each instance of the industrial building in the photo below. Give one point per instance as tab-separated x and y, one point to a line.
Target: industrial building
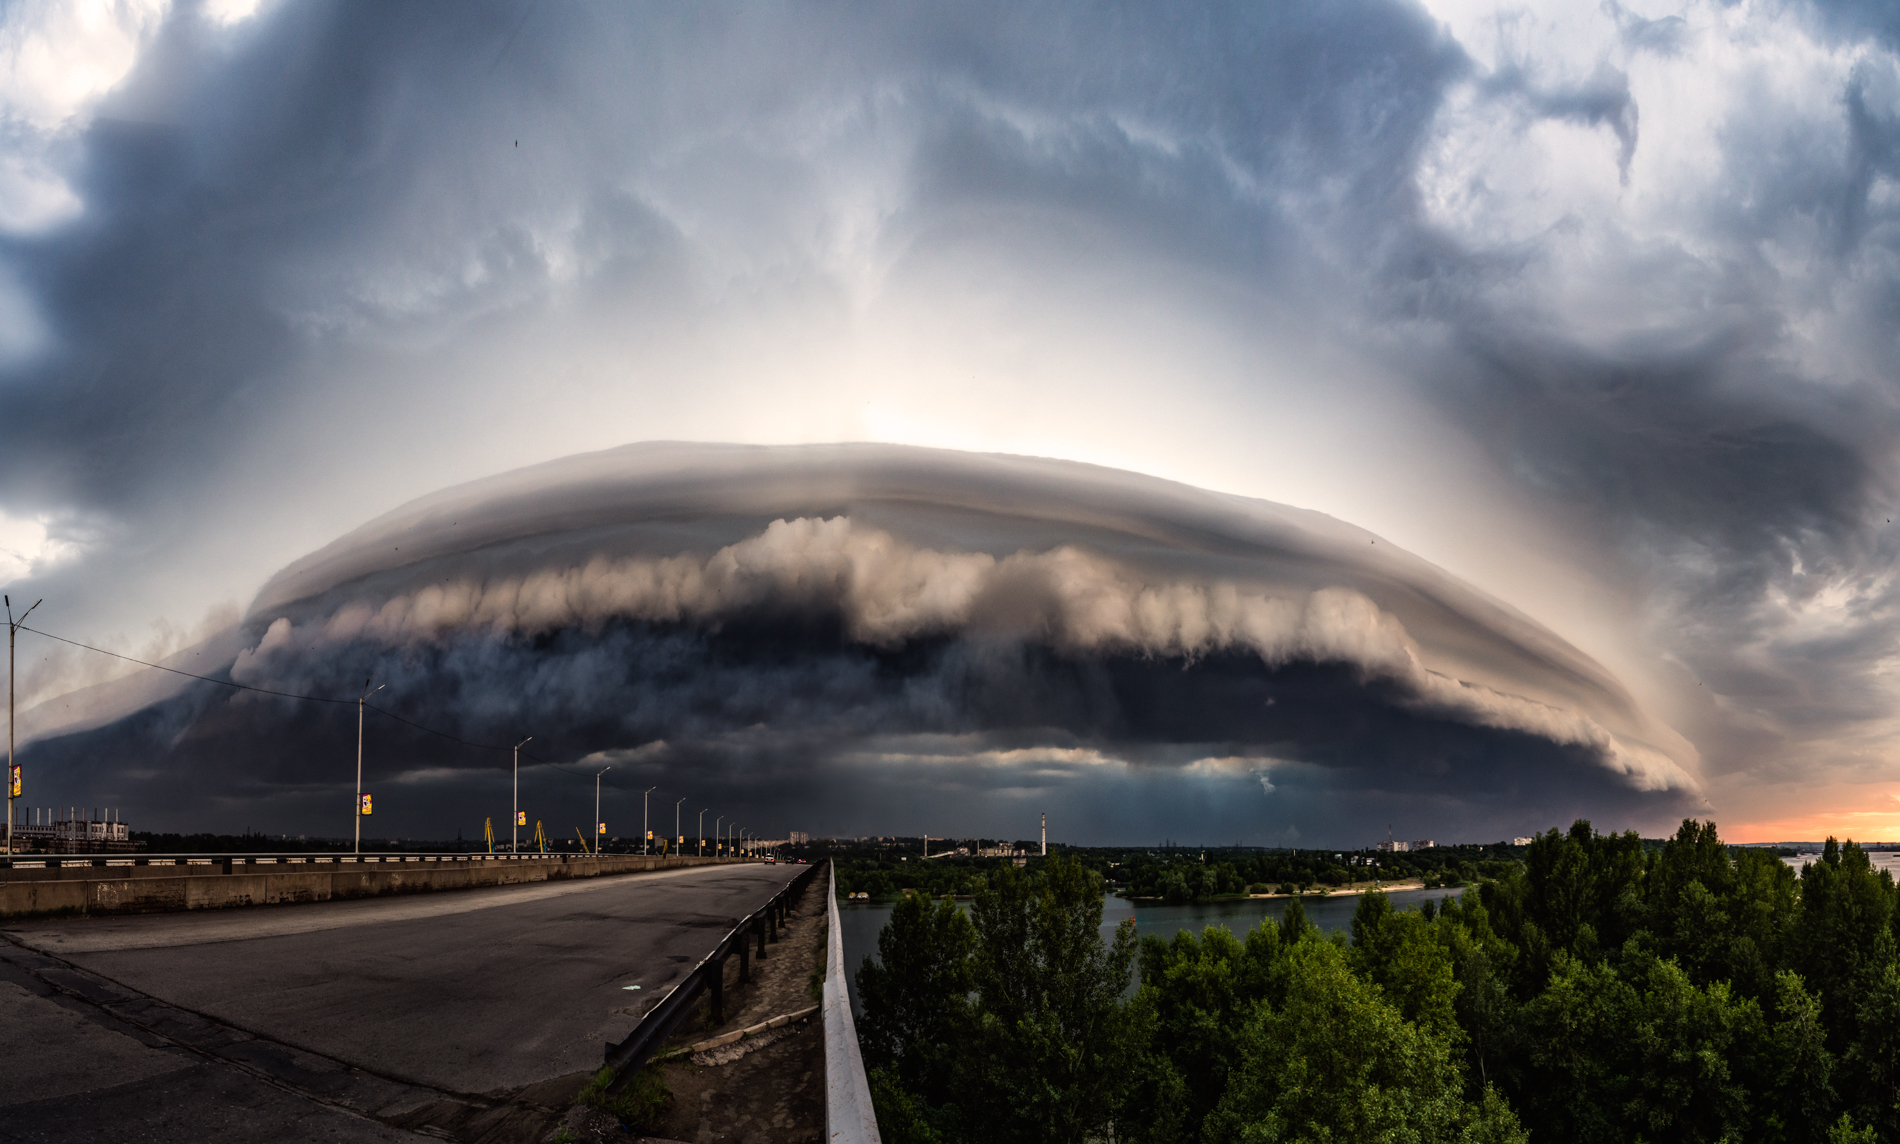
80	830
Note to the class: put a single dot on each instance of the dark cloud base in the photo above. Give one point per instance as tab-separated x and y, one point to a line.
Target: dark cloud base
788	725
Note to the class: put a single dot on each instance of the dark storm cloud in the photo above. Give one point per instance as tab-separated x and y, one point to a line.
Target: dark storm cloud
774	623
366	187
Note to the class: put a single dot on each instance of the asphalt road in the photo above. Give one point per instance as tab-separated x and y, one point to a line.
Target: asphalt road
470	992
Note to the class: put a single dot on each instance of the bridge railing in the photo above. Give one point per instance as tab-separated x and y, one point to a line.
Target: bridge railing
278	858
849	1118
627	1057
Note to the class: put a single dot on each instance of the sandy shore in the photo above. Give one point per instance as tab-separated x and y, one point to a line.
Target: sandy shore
1353	890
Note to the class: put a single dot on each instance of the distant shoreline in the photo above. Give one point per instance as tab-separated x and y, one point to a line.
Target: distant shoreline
1342	892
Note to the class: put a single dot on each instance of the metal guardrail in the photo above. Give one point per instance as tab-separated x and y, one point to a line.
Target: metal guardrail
628	1056
849	1117
230	861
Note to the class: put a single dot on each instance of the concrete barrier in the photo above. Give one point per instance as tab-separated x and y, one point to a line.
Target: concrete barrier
312	878
849	1117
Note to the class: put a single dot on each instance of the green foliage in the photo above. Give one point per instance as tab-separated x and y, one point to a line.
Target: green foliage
1335	1062
1406	956
1010	1024
916	999
1844	1131
1061	1040
1643	1053
638	1105
902	1116
1605	988
1202	990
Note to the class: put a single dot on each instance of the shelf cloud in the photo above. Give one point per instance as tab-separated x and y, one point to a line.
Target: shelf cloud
1002	624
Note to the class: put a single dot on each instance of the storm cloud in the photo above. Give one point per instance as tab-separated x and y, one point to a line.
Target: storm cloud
814	613
1590	305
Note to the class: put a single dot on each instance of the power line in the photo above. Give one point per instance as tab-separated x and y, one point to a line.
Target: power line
190	675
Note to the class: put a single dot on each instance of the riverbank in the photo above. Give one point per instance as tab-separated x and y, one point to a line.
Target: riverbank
1350	890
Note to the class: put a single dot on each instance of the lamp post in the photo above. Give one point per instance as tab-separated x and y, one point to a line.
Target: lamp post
716	836
514	820
646	832
597	822
361	701
13	630
677	836
699	833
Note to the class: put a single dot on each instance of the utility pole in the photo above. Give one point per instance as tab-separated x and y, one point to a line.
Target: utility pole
13	630
678	838
1045	834
699	833
645	830
360	702
514	823
597	822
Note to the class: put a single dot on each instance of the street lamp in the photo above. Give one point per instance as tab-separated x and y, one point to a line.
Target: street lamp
699	833
514	827
677	836
716	835
360	703
646	831
13	629
597	822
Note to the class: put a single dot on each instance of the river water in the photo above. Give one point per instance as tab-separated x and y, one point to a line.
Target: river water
860	922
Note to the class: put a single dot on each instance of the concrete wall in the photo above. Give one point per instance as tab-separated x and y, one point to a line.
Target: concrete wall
156	888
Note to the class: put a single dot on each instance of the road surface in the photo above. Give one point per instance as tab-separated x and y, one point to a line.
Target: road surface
318	1017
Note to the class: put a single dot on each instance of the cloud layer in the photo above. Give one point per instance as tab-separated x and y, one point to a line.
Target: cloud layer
1592	305
1000	617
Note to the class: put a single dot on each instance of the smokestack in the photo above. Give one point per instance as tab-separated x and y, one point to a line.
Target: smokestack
1045	834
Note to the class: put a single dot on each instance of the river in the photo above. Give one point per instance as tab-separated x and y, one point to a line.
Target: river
860	922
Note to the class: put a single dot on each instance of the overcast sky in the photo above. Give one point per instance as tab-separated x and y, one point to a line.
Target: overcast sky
1592	306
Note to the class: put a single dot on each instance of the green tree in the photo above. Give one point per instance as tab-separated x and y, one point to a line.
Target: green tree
1721	916
1059	1044
1401	952
1644	1053
1202	990
1797	1066
1334	1062
917	1010
1846	936
1871	1068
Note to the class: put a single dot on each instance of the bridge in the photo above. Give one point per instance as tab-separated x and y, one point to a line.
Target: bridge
476	1015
